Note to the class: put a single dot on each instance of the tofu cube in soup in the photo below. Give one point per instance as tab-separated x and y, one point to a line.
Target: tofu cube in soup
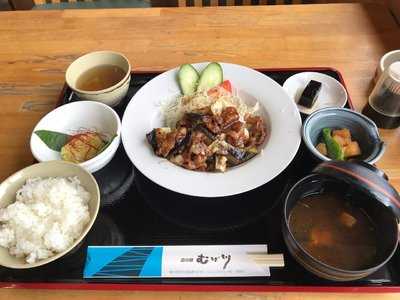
347	220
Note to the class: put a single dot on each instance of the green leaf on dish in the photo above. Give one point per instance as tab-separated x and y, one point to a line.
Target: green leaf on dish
53	139
107	144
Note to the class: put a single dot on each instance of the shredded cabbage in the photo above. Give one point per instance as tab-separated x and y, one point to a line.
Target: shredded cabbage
175	110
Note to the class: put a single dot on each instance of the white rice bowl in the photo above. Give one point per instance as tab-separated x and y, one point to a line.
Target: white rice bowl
48	216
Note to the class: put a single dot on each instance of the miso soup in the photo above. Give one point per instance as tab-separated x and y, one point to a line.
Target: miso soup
100	78
334	231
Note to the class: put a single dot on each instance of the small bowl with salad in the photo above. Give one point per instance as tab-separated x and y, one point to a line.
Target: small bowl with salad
84	132
342	134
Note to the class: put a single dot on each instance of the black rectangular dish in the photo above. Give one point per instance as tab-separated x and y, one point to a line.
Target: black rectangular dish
135	211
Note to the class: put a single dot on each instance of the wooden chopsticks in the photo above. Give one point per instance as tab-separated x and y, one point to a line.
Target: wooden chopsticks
263	258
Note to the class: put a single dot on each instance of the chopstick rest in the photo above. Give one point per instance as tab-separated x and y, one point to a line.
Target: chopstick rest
180	261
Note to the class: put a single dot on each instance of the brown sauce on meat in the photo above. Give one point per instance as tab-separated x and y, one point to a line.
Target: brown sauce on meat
205	142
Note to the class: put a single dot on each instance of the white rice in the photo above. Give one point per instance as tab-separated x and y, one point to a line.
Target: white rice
47	217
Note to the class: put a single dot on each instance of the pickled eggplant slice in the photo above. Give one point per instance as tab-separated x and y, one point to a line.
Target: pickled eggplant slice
237	153
237	156
151	138
181	144
211	163
162	140
234	161
207	132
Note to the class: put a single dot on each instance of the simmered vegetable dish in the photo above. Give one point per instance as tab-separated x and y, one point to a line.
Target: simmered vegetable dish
338	144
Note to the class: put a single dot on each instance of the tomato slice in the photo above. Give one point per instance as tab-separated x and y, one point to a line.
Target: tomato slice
226	85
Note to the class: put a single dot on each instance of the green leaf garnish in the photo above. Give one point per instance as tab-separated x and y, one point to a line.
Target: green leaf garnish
53	139
107	144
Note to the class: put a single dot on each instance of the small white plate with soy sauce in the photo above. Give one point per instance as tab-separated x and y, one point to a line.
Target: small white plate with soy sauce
331	94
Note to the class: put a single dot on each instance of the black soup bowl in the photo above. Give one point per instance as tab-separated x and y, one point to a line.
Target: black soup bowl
368	189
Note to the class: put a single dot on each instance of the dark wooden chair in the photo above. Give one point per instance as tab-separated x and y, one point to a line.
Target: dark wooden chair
199	3
28	4
75	4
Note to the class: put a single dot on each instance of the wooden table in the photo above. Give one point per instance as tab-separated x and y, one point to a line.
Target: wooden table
37	46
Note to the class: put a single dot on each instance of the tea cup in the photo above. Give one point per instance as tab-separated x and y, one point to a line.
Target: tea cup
111	95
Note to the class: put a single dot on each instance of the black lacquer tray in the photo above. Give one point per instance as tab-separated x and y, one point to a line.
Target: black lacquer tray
135	211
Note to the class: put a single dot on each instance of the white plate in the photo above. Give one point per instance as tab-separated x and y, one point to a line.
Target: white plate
144	113
332	93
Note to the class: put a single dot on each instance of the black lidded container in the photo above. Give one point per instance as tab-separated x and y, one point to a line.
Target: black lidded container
380	201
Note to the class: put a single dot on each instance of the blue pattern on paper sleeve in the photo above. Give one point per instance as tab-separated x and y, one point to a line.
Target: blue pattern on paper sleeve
152	266
130	263
98	257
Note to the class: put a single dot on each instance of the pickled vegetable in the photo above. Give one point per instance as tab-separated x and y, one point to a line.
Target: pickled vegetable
335	151
75	148
82	147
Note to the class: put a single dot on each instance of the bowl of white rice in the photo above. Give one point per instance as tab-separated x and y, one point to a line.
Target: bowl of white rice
46	210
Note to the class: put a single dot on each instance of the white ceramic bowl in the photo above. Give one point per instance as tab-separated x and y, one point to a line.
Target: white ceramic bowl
12	184
332	94
144	113
74	117
111	95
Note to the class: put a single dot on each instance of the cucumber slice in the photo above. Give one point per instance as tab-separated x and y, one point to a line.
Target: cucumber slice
210	77
188	78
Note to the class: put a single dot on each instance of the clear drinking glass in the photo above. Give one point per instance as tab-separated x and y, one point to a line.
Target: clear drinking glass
384	102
